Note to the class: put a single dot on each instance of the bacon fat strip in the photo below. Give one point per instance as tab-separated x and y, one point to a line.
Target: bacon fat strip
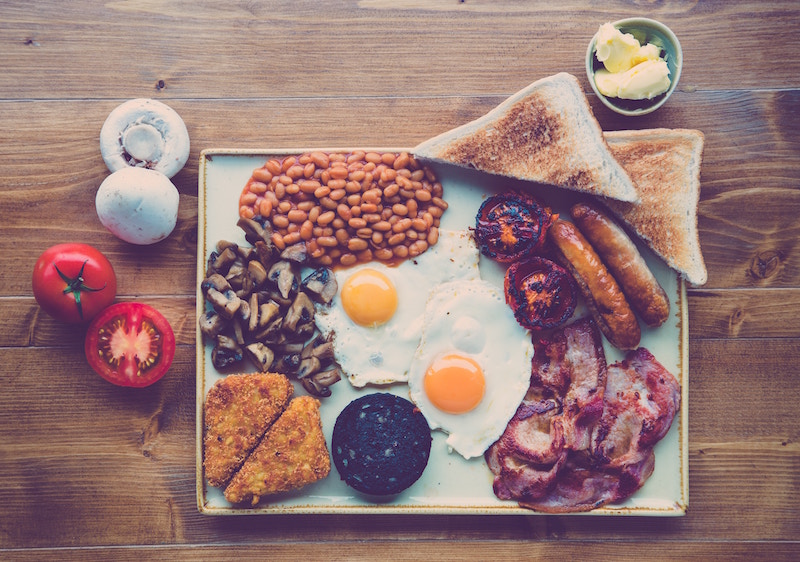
603	296
618	252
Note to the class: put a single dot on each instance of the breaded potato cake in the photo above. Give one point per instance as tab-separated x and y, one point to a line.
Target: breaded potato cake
292	454
238	411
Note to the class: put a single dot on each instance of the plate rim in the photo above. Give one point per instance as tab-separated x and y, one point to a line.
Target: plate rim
679	508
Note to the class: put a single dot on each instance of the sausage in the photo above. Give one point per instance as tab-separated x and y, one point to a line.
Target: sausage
643	291
603	296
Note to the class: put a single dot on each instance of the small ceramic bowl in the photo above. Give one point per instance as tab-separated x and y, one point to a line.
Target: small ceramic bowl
646	31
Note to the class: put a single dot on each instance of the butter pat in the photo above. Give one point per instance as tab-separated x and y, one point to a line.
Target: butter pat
632	71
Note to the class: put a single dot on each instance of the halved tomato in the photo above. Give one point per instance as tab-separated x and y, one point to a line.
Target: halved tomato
130	344
541	293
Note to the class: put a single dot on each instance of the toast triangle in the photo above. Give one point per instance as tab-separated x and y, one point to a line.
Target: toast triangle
665	164
545	133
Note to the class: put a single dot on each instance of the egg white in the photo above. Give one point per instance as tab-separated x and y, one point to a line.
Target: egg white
471	317
382	354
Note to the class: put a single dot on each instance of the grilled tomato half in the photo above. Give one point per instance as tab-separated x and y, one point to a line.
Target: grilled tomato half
541	293
510	226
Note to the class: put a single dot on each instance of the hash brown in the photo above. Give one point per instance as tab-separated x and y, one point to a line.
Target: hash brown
238	411
292	454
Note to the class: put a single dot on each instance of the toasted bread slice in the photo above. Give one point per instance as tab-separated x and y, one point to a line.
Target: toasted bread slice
665	164
545	133
238	411
291	455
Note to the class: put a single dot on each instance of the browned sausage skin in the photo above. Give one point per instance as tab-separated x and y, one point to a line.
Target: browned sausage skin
618	252
603	296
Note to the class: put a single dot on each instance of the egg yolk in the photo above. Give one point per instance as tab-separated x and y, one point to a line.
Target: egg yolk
369	298
454	383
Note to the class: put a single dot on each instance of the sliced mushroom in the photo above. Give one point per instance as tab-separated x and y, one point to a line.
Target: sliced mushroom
321	285
145	133
255	231
212	324
223	260
265	252
257	273
308	366
226	303
261	355
282	275
226	353
215	281
296	253
318	384
301	312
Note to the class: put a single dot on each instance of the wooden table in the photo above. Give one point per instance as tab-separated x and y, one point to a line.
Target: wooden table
93	471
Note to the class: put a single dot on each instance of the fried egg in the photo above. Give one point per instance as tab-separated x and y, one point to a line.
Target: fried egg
472	367
376	319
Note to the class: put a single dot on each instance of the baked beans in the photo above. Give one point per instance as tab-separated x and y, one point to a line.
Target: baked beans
348	208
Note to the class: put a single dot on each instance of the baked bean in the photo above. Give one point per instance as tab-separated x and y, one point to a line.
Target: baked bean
280	221
248	199
265	207
337	194
309	186
258	187
342	236
296	215
401	161
357	222
364	255
356	156
400	251
306	206
382	226
377	238
417	248
295	172
388	158
288	162
355	210
285	180
337	223
262	175
246	212
373	157
388	175
396	238
328	203
365	233
327	241
284	206
308	170
339	172
372	196
337	183
419	224
273	167
383	254
344	211
402	225
412	207
326	218
306	230
369	208
277	240
400	209
371	218
320	159
280	191
391	190
439	202
354	199
293	189
322	191
417	175
357	175
433	236
411	235
347	259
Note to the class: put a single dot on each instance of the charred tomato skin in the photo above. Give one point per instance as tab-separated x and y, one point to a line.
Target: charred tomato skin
511	225
73	282
541	293
130	344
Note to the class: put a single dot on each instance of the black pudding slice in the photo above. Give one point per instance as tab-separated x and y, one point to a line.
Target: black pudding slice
381	444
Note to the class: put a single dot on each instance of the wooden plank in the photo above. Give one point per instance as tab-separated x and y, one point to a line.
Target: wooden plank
360	48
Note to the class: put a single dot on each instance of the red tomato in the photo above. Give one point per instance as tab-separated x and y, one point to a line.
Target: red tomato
130	344
72	282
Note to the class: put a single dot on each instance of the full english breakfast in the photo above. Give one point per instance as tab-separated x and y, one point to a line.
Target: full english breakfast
503	371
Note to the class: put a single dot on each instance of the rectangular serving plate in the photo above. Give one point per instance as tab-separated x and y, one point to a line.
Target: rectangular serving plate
449	484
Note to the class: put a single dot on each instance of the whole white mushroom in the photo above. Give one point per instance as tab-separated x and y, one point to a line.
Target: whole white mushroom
138	205
145	133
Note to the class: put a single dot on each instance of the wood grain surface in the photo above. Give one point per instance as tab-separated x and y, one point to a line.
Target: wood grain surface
95	472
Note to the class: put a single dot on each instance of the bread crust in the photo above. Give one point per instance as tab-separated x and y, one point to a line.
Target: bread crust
603	295
618	252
